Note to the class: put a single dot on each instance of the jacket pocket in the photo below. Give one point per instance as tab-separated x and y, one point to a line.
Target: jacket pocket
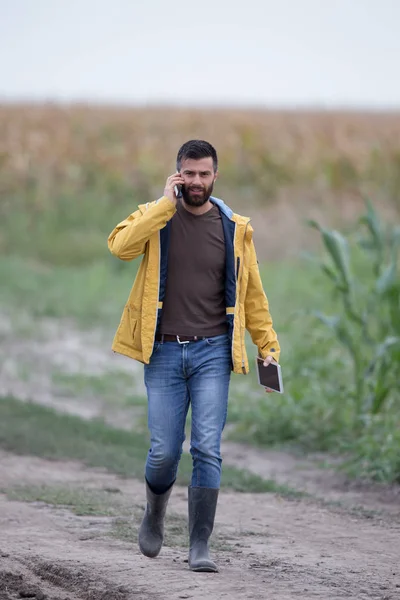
237	267
132	324
129	330
134	320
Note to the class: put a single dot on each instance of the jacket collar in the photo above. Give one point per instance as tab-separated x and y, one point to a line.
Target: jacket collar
222	206
228	212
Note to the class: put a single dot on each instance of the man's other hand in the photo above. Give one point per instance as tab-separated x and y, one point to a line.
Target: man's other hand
267	362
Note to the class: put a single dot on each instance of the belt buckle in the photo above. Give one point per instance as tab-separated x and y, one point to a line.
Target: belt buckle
181	343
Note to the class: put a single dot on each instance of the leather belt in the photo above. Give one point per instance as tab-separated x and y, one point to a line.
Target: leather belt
181	339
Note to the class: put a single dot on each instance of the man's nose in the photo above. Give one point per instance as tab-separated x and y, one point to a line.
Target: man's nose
196	180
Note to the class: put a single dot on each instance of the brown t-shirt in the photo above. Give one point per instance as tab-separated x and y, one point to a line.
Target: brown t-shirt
194	302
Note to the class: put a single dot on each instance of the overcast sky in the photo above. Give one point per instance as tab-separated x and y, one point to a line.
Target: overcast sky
260	52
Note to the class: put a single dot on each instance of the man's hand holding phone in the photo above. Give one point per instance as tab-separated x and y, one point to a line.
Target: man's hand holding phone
172	181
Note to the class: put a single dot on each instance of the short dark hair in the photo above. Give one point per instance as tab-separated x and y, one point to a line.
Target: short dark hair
196	149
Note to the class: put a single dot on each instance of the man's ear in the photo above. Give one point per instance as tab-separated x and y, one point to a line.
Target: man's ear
216	175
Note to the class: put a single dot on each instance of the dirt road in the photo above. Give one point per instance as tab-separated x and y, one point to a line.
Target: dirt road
341	541
268	547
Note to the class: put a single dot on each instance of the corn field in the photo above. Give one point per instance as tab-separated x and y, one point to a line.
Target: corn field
64	169
48	148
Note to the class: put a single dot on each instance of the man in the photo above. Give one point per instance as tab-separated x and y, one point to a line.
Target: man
197	289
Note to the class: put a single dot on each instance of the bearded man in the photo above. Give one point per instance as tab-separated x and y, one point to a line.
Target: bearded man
197	290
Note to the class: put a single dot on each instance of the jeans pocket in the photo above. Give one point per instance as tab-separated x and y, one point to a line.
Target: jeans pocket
157	346
218	340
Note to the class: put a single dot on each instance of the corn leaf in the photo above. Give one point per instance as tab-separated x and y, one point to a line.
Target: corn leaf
373	224
381	394
329	271
337	247
331	322
383	386
389	342
380	352
387	278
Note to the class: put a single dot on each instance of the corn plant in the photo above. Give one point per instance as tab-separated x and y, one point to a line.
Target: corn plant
366	284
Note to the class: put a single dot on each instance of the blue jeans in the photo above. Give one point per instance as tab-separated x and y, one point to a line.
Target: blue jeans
179	374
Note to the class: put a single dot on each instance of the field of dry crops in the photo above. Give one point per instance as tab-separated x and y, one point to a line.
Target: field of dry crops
99	162
52	145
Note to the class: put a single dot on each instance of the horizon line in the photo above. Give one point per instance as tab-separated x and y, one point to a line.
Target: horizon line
207	106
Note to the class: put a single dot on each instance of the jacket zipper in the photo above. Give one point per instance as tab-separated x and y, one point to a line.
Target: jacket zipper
233	324
158	290
241	275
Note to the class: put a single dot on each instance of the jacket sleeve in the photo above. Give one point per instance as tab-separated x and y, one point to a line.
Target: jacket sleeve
128	240
258	318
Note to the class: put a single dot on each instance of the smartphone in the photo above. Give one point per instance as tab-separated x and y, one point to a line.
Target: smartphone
270	376
178	191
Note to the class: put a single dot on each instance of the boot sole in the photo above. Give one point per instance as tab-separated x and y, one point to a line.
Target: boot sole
149	554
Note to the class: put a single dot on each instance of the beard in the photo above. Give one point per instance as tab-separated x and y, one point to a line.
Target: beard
200	198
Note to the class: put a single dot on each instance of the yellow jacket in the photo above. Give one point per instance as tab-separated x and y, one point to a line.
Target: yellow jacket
145	232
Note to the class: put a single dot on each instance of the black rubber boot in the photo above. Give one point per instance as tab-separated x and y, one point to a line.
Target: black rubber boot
151	532
202	507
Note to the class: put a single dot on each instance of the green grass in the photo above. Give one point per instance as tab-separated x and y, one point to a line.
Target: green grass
92	294
81	501
29	429
111	385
